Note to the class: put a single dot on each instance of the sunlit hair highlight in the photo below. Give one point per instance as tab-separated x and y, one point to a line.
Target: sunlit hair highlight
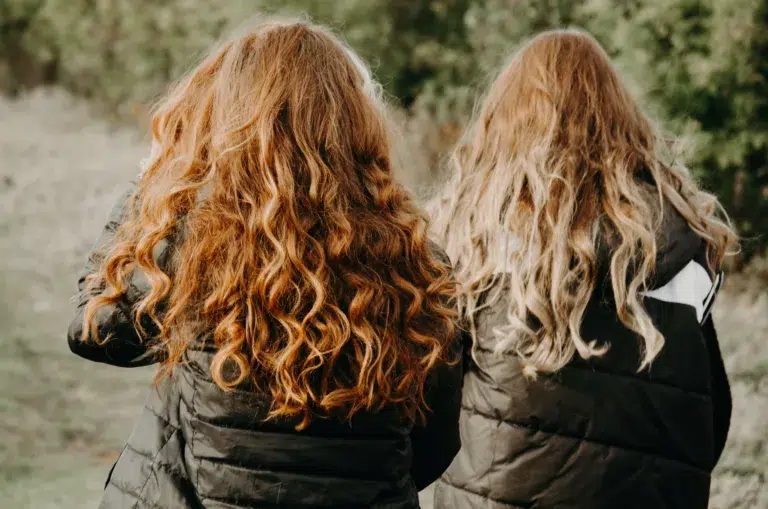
559	163
295	252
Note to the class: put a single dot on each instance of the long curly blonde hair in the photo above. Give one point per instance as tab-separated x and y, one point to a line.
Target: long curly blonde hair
293	249
559	160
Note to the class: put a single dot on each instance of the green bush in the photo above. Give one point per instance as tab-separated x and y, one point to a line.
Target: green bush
125	51
696	64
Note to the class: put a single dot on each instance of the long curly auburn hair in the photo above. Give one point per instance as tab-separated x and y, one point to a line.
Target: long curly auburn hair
294	251
559	161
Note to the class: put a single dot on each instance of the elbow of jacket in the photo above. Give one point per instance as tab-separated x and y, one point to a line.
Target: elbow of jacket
452	448
451	452
74	335
456	447
439	462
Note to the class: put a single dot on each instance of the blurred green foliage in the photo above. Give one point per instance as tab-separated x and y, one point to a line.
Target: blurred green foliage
698	65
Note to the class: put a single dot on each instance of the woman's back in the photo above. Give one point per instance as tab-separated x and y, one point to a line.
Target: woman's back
282	279
597	433
196	446
587	264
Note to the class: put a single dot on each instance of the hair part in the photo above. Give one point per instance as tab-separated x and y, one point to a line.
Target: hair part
295	252
560	161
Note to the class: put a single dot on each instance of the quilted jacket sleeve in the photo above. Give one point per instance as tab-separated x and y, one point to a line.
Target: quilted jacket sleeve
437	442
721	389
125	347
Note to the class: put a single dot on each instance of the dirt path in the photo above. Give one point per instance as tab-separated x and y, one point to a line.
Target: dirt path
61	419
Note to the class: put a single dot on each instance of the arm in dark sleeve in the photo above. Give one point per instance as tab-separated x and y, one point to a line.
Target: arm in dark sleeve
437	442
124	347
721	389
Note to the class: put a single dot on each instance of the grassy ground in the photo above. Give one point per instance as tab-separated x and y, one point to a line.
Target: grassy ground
62	420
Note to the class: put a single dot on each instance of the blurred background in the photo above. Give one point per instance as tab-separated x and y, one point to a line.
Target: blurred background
77	78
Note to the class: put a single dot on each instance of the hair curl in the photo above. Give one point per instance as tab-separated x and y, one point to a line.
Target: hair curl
294	250
559	160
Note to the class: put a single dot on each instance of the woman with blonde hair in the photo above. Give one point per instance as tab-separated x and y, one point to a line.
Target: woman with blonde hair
588	264
269	262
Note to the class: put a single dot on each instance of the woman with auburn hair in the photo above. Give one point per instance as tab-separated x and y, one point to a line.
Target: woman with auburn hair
588	263
269	262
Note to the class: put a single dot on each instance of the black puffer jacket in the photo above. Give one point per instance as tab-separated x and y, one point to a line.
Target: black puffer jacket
598	435
196	446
